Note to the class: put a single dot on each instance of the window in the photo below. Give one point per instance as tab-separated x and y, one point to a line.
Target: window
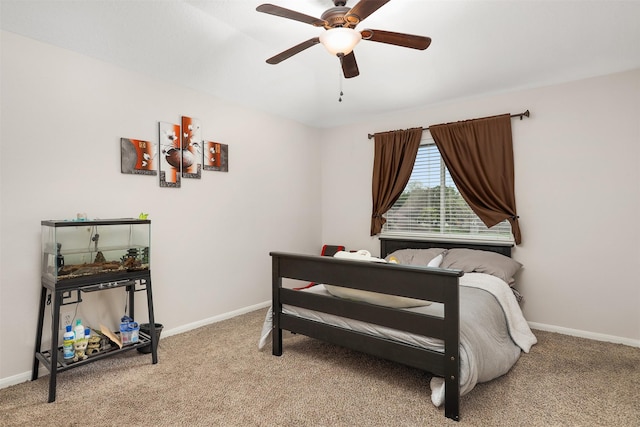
431	205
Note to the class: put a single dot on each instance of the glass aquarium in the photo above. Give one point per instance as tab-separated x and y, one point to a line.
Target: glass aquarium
94	250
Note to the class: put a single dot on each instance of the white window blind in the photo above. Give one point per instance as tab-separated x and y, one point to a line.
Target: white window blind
431	206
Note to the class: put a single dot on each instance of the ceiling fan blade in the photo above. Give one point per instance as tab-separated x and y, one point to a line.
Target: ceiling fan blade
349	65
363	9
292	51
272	9
398	39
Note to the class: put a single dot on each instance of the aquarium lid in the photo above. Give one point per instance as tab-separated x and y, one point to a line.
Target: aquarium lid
75	222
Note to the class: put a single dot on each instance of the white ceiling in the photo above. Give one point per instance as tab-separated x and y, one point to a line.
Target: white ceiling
220	46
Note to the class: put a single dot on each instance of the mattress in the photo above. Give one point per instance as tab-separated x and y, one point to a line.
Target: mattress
493	331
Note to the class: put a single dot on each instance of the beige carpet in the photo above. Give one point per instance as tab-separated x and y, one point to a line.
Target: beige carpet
215	376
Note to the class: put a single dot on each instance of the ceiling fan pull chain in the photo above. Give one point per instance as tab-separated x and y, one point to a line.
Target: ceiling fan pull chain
340	84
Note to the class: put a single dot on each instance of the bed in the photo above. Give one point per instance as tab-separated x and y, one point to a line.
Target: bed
469	330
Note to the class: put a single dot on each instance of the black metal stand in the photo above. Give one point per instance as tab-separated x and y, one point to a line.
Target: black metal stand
52	358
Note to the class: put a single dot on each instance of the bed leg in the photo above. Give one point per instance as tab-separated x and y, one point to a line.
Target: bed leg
276	334
276	307
452	398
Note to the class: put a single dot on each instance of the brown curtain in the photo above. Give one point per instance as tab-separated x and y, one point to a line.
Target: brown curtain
479	155
395	154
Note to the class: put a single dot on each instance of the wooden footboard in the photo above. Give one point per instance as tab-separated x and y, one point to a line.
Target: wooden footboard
436	285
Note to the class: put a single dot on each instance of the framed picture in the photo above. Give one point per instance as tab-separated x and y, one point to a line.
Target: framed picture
170	162
137	157
216	156
191	148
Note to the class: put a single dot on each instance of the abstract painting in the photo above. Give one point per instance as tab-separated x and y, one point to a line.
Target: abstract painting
191	148
170	155
216	156
137	157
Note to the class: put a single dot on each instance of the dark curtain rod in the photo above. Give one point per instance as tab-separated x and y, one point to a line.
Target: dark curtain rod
521	115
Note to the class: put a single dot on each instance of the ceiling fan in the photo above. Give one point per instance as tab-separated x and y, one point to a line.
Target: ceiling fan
340	36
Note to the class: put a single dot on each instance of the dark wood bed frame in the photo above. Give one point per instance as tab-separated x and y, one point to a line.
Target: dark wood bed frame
407	281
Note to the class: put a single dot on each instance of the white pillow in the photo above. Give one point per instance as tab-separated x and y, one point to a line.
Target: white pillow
435	262
361	255
377	298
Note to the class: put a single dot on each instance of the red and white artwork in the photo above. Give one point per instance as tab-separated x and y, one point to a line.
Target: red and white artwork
170	155
216	156
179	153
191	148
137	157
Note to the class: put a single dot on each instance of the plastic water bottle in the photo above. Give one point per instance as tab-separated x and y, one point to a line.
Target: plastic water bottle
67	343
79	330
135	331
125	332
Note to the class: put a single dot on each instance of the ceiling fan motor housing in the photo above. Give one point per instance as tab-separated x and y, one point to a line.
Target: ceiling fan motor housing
335	17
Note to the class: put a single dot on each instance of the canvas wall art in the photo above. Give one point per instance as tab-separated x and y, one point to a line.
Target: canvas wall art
179	153
170	163
191	148
137	157
216	156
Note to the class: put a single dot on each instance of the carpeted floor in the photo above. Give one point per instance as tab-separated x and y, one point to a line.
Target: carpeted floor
215	376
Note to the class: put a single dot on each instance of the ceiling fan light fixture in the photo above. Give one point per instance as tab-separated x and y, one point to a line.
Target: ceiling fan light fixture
340	40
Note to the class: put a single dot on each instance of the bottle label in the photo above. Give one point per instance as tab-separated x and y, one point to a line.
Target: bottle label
67	350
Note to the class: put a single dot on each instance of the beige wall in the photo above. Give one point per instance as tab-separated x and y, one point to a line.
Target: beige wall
577	165
63	115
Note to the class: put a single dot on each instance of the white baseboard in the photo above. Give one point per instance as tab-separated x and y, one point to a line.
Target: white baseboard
585	334
214	319
26	376
17	379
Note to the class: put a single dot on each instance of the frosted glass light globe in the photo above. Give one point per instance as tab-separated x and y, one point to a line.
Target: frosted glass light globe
340	40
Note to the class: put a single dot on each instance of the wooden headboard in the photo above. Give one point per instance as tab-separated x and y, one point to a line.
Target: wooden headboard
389	245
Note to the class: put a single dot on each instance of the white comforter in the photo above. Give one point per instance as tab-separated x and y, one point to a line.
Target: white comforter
493	331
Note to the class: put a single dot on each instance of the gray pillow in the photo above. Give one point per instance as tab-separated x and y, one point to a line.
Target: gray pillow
472	260
418	257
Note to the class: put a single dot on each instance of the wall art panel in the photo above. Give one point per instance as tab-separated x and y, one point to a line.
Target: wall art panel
170	155
216	156
137	157
191	148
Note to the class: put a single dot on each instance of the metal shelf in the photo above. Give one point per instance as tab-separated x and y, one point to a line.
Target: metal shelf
63	365
53	295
